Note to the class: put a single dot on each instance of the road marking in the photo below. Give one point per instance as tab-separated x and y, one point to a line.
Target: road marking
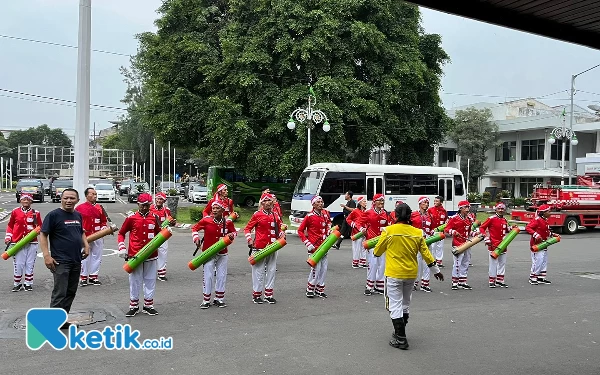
121	200
591	276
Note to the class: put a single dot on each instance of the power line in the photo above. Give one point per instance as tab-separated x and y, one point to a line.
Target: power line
53	103
59	99
60	45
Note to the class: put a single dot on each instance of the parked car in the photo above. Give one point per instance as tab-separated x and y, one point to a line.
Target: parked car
106	193
136	189
57	188
166	185
179	186
47	184
33	187
94	182
186	188
125	186
198	193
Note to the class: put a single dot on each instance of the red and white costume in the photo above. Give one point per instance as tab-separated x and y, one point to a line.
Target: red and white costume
459	227
540	231
423	221
22	222
359	253
141	229
498	228
439	216
214	230
225	202
373	221
267	228
313	230
94	220
163	213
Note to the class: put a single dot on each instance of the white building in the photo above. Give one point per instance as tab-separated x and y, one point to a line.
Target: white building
525	158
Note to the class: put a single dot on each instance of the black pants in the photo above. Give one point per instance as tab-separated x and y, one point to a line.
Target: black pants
345	231
66	281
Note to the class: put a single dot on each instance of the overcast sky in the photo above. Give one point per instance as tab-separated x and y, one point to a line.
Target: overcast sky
489	63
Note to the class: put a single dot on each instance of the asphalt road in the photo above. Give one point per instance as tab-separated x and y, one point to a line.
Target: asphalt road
525	329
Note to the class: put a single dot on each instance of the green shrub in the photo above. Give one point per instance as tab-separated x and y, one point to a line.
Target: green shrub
519	201
474	197
486	197
196	213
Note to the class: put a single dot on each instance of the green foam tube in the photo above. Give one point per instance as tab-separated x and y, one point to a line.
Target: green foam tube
435	238
475	225
505	242
21	243
209	253
545	244
323	249
369	244
147	250
440	228
267	251
357	236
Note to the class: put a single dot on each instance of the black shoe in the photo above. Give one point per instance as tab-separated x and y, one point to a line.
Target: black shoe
271	300
17	288
336	246
355	266
258	300
28	288
162	278
544	281
465	286
150	311
501	285
322	295
378	291
454	286
83	283
533	282
94	282
493	285
368	292
415	287
399	342
132	311
310	294
426	289
205	305
219	303
441	265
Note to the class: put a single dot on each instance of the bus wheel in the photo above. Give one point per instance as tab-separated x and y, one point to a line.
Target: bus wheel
571	225
249	202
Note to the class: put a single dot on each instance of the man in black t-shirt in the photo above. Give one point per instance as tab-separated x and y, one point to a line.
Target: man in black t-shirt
68	246
348	207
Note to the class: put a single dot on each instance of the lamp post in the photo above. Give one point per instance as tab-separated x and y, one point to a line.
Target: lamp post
571	120
313	116
564	135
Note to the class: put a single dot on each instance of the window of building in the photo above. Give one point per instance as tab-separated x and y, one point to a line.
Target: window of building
508	183
447	155
556	150
532	149
507	151
527	184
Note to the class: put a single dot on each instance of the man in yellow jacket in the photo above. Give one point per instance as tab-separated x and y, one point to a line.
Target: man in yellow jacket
401	243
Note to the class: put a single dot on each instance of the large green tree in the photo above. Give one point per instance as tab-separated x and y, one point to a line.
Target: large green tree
474	133
223	76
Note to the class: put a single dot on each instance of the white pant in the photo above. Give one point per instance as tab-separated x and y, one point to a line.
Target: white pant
90	266
144	274
424	273
397	296
23	263
218	262
539	264
259	277
461	267
162	259
437	250
375	271
359	253
316	276
497	268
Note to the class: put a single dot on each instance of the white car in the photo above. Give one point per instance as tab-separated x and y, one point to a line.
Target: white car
198	194
106	193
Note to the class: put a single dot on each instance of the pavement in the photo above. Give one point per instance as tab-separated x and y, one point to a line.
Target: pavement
547	329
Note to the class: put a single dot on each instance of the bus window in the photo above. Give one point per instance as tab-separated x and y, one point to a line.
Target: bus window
442	188
458	185
370	189
308	182
424	184
341	182
397	184
448	190
378	185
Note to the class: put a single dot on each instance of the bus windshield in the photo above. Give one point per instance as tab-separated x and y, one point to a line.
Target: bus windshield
308	182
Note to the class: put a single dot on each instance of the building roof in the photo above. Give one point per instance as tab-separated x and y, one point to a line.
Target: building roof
575	21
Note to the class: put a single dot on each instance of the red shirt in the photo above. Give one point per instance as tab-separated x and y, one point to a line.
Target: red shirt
497	227
459	228
354	218
142	230
439	216
93	217
213	231
422	221
317	225
228	203
266	227
539	230
374	222
21	223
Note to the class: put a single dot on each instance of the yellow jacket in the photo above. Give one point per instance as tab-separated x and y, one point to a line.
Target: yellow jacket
401	243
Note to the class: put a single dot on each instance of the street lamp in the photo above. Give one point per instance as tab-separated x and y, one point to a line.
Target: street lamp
313	116
571	120
564	135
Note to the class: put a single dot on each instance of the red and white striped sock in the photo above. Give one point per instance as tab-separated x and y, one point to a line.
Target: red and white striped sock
148	302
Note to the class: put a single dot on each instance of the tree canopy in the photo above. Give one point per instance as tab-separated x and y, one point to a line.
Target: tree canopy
474	133
223	76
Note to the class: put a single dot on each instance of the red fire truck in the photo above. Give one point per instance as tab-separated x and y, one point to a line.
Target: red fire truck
573	206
